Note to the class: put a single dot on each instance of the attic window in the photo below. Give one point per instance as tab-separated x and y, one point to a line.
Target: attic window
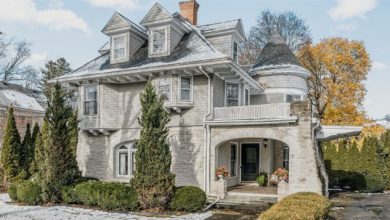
159	40
119	47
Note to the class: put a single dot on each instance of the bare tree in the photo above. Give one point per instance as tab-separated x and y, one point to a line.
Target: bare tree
292	28
13	55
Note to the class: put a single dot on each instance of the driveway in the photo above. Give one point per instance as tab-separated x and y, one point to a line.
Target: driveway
15	212
358	206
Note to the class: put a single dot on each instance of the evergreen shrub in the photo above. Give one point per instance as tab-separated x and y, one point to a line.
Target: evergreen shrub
189	199
29	192
12	192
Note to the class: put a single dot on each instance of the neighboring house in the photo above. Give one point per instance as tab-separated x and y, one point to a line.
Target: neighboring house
221	114
29	106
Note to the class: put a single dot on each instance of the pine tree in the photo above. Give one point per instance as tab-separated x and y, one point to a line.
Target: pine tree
27	148
342	155
60	167
11	152
37	165
153	180
371	164
73	132
52	70
353	163
34	133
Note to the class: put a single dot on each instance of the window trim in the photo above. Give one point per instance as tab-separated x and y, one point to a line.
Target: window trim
191	88
286	148
235	59
165	51
126	54
97	100
170	87
290	94
130	150
246	89
230	160
239	93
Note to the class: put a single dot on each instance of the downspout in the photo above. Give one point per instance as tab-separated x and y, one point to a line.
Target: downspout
206	133
319	161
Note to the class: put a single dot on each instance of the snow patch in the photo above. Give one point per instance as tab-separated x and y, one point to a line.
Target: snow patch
20	100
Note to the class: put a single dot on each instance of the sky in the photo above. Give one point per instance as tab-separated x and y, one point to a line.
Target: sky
72	28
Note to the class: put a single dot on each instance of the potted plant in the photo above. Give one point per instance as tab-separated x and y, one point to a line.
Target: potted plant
281	174
262	179
221	172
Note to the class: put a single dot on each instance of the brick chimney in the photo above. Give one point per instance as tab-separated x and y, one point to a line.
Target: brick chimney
189	10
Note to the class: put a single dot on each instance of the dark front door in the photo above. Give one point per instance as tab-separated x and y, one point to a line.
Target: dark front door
249	162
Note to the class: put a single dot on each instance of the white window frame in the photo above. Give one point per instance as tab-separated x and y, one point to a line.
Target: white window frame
230	159
239	92
191	88
151	50
84	87
286	160
156	86
126	52
289	94
246	89
237	54
130	151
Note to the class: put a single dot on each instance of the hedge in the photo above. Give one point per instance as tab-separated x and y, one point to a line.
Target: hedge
12	190
29	192
189	199
302	206
106	196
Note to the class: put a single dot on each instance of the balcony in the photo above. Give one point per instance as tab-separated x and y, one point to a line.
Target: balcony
267	112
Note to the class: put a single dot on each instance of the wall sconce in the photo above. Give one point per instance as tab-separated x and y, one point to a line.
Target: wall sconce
265	143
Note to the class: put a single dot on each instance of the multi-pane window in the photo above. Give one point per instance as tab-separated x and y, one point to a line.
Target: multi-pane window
232	94
247	97
293	98
233	160
125	160
235	52
90	100
119	47
164	88
185	88
285	157
159	41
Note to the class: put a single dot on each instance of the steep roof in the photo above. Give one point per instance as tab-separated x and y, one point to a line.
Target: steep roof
223	26
119	21
275	53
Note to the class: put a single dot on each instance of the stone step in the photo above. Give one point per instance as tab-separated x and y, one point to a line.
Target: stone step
250	202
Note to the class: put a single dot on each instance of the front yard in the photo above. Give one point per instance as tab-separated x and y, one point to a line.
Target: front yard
16	212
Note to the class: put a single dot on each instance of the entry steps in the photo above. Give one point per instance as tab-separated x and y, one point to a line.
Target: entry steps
245	201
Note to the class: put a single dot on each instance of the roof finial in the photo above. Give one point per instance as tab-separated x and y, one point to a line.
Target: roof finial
276	38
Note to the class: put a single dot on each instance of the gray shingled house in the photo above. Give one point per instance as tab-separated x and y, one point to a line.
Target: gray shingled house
222	115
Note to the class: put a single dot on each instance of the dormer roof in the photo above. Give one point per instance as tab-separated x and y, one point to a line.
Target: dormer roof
224	27
276	53
156	14
119	23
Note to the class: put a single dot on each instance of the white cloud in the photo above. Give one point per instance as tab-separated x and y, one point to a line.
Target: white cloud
37	60
348	26
116	4
379	66
26	12
351	8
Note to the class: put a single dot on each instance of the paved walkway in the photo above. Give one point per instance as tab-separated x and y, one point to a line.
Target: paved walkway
15	212
359	206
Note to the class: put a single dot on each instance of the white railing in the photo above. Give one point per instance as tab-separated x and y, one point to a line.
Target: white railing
267	111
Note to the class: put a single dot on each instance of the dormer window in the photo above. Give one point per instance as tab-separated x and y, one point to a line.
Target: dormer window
119	48
159	41
235	52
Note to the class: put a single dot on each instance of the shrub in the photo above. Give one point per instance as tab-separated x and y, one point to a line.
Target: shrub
107	196
300	206
85	179
12	190
188	198
69	195
29	192
262	179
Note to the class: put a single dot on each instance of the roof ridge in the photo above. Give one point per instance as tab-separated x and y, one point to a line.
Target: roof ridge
220	22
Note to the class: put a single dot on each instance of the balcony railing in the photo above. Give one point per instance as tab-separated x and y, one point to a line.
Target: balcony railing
267	111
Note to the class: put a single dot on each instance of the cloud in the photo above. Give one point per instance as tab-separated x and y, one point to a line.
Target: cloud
348	26
116	4
379	66
26	12
37	59
351	8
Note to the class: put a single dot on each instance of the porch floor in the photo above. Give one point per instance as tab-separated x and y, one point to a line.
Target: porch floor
252	188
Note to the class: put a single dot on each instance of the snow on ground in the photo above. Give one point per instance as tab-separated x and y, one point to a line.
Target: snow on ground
15	212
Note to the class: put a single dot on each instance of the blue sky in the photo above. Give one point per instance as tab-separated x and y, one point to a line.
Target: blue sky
71	28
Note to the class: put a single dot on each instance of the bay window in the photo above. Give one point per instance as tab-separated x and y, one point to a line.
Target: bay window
163	87
232	94
90	100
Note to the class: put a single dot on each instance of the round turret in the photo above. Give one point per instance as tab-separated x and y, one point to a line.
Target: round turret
281	74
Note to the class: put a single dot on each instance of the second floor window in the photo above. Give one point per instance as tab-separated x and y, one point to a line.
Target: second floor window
232	94
185	88
119	47
159	41
164	88
90	100
293	98
235	52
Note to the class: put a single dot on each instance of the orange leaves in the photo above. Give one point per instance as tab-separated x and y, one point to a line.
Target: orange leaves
339	69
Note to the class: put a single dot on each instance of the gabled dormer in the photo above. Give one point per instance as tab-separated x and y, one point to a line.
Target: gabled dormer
126	38
164	30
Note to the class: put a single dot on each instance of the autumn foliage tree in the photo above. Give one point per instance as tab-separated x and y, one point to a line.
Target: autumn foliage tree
339	68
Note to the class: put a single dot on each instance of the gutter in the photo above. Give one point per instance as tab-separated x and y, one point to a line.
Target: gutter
207	134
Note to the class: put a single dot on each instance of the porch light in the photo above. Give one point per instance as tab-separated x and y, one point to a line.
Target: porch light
265	143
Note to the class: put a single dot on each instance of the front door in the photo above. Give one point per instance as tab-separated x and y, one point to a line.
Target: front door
249	162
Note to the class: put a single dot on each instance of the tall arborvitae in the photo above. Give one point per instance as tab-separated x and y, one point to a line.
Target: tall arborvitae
330	155
73	132
371	164
27	148
386	145
11	152
39	152
60	167
353	163
35	132
342	155
153	179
